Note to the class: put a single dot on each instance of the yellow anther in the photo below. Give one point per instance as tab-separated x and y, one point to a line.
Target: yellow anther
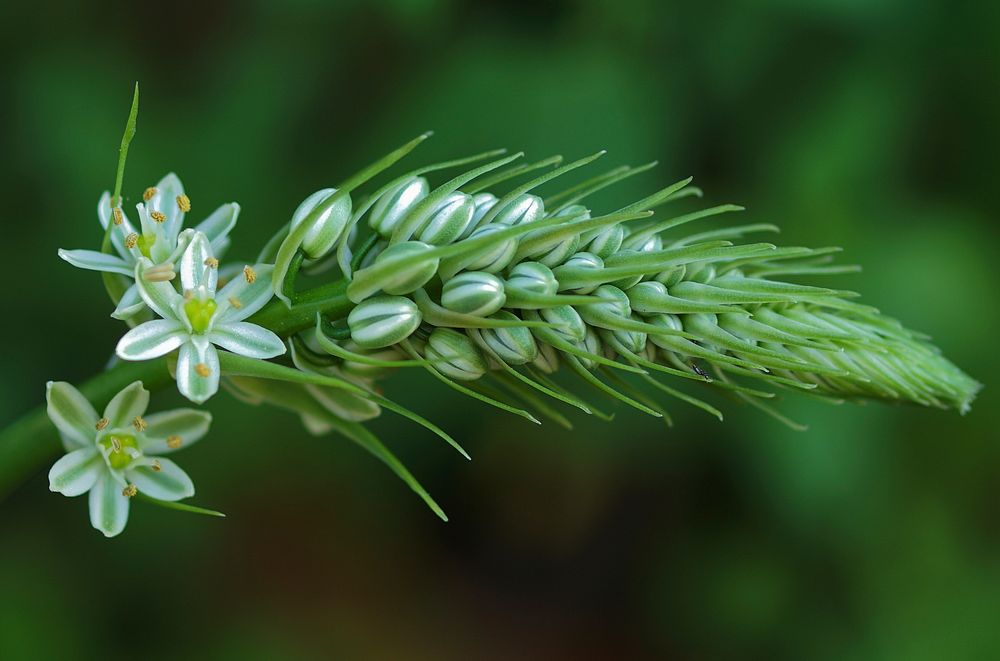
249	274
235	302
139	423
212	262
157	216
156	466
101	424
183	202
116	444
131	240
188	294
149	194
202	370
130	491
174	442
117	216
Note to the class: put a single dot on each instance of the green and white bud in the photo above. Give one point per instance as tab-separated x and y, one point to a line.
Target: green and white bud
449	221
671	276
409	278
616	304
327	226
483	203
532	278
581	260
547	359
455	355
491	259
569	325
392	207
607	242
515	346
474	292
383	321
520	210
591	343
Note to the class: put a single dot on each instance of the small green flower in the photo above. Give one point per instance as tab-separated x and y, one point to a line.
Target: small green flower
201	319
118	455
327	227
382	321
474	292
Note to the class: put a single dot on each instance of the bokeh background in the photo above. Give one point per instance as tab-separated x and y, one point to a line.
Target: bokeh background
870	124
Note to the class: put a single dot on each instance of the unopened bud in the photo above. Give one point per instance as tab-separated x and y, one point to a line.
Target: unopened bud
382	321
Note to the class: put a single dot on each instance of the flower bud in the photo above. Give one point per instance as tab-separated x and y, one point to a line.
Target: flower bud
629	282
455	355
615	303
607	242
515	346
448	221
410	278
671	276
548	359
591	343
581	260
491	259
643	243
532	278
483	203
633	341
474	292
703	273
367	370
569	324
522	209
558	253
382	321
390	209
668	322
327	227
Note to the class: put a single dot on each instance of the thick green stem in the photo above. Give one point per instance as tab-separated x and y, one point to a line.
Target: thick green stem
29	443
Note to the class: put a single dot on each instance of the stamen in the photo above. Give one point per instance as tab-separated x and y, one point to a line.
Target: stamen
159	273
188	294
117	216
183	203
157	216
101	424
130	491
212	262
149	193
116	443
174	442
156	466
249	274
131	240
235	302
139	423
202	370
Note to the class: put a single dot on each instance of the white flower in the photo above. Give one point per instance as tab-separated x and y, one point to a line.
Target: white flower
118	455
201	319
159	237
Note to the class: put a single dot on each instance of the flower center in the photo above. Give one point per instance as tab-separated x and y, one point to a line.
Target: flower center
145	243
199	313
122	449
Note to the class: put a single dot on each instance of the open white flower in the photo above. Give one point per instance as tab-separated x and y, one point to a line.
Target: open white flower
201	319
118	455
159	237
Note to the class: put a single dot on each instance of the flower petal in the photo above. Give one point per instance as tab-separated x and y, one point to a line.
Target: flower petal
131	401
151	340
247	339
168	483
131	304
217	226
96	261
161	297
71	413
75	473
182	426
198	369
168	190
119	233
194	271
248	296
108	507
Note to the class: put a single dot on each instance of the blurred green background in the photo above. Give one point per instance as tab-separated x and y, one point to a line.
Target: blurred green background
870	124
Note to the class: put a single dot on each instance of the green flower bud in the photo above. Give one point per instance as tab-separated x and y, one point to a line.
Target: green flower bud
532	278
557	254
633	341
590	343
367	370
616	304
581	260
483	203
390	209
492	259
327	227
669	322
515	346
671	276
382	321
406	280
642	243
626	283
703	273
523	209
448	221
455	355
607	242
548	359
569	324
474	292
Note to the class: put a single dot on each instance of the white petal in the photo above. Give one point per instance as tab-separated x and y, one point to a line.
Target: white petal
130	304
131	401
195	386
188	425
151	340
194	272
75	473
96	261
165	201
71	413
217	226
119	232
247	339
168	483
108	507
161	297
250	297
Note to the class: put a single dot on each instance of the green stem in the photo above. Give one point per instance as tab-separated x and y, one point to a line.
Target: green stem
30	442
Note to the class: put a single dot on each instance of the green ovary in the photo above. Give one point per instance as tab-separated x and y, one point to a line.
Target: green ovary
118	446
199	313
145	244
